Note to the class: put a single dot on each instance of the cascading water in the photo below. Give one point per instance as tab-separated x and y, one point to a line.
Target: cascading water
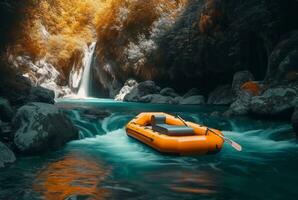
84	89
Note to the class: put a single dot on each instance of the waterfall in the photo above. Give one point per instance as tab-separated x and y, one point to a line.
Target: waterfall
84	89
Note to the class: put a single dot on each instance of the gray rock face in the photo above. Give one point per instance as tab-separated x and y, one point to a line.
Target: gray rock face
6	112
131	83
142	89
283	61
191	92
6	155
239	79
193	100
295	121
41	94
157	98
41	127
169	92
221	96
274	101
126	89
241	106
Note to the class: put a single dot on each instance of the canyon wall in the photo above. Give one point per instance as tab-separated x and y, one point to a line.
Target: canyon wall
177	43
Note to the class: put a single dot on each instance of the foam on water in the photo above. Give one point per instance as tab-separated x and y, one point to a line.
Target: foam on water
116	146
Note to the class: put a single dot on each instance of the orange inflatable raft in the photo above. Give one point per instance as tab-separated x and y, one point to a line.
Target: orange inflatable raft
170	134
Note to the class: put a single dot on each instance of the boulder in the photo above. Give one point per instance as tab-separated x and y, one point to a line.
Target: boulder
169	92
274	101
239	79
126	89
193	100
6	155
157	98
6	112
41	127
295	121
96	113
41	94
6	132
17	91
178	99
191	92
241	106
142	89
131	83
222	95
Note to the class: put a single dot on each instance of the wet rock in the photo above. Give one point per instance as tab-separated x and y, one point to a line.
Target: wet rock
142	89
283	61
96	113
239	79
131	83
191	92
6	112
241	106
168	92
126	89
274	101
178	99
41	94
295	121
193	100
6	155
42	127
16	90
157	98
6	132
222	95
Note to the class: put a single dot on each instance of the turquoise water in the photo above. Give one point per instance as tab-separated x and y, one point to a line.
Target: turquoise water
106	164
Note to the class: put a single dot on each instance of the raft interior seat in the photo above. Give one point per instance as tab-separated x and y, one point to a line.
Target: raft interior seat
159	124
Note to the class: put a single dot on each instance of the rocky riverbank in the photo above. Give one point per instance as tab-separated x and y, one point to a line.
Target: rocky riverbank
149	92
29	122
245	96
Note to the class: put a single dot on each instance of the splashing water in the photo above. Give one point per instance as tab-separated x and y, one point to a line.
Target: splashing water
84	90
130	170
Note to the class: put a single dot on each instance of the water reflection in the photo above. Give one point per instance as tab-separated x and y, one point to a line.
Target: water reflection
186	181
74	175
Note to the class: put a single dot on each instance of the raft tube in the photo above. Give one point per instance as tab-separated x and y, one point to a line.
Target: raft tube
201	141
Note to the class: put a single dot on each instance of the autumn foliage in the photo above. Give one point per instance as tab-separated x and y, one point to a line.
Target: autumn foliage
252	87
124	22
56	30
59	30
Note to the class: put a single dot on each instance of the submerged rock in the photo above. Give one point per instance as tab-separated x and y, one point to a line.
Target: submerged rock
6	112
193	100
239	79
157	98
222	95
6	155
42	127
126	89
41	94
274	101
